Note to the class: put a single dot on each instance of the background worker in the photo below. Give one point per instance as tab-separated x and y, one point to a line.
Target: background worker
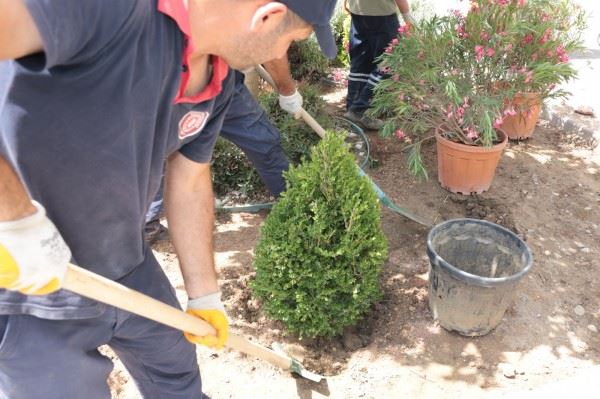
374	25
247	126
94	96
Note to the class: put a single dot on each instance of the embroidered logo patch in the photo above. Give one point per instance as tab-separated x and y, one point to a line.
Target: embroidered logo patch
192	123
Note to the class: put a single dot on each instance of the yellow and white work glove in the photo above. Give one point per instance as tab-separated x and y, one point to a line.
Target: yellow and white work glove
291	103
210	309
33	255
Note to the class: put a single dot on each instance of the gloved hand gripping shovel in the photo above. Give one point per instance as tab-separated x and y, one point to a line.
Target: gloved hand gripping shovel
310	121
94	286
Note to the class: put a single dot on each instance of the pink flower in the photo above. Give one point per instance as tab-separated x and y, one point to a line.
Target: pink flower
545	17
457	13
490	52
472	133
422	82
460	111
465	102
509	112
508	47
478	52
527	39
400	134
404	30
401	97
547	34
498	122
528	76
460	31
394	41
484	36
521	3
562	54
338	76
388	49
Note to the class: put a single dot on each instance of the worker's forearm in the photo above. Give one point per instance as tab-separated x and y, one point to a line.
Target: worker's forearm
14	200
190	214
403	6
279	69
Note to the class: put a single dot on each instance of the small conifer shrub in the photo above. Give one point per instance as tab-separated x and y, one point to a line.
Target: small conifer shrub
321	248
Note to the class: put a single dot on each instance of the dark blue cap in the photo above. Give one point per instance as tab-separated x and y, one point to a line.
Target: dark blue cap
317	13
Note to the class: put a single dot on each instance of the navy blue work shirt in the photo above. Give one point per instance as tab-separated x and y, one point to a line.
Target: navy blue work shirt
88	124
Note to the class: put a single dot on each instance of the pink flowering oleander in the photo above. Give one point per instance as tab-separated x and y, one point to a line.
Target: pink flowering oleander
462	72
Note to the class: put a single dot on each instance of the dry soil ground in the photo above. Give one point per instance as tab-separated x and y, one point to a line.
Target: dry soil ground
547	189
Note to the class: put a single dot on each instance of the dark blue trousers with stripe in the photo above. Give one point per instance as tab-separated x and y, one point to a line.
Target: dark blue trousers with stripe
369	36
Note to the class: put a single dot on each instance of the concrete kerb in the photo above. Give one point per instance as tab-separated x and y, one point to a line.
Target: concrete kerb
581	129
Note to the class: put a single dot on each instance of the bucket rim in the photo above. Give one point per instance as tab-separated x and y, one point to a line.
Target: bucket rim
470	277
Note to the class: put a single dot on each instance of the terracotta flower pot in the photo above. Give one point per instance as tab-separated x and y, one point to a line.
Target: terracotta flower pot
522	125
467	169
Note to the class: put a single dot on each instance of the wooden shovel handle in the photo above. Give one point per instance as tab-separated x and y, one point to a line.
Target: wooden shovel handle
101	289
310	121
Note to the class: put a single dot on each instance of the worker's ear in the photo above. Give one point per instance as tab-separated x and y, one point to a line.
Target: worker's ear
268	16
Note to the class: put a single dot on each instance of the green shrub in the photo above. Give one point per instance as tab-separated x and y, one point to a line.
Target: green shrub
307	62
341	30
321	248
232	171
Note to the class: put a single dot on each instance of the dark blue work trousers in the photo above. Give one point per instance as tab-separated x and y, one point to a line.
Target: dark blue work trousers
369	36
